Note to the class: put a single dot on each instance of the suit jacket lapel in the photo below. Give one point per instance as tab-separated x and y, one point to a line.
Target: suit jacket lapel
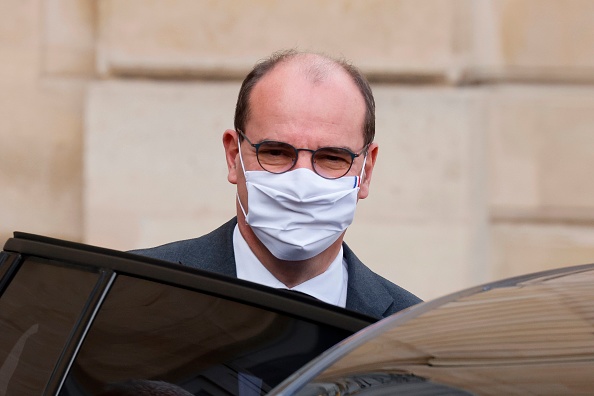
364	292
223	248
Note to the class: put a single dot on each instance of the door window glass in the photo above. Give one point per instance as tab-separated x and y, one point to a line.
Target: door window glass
152	334
38	311
5	262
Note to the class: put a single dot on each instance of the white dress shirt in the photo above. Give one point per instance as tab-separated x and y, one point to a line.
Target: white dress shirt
330	286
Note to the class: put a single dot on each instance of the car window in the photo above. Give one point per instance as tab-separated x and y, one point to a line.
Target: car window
5	263
150	331
38	311
3	258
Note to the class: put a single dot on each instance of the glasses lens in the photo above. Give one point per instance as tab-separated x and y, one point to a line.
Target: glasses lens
276	157
332	162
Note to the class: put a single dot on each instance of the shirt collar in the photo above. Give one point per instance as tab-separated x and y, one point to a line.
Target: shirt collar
249	268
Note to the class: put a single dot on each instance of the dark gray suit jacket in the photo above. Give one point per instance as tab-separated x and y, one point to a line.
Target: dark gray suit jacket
367	292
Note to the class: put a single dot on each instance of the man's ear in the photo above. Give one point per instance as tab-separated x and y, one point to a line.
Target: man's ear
231	152
369	165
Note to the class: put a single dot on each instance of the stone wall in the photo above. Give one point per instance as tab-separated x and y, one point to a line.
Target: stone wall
112	113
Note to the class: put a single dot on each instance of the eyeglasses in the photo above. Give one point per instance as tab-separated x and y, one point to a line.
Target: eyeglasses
280	157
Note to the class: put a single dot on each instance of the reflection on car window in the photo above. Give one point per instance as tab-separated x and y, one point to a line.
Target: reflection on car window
3	258
144	387
6	261
204	344
37	313
4	264
380	383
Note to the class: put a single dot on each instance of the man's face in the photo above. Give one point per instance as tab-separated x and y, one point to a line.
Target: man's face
288	107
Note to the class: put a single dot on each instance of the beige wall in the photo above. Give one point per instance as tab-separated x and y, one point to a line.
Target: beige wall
112	111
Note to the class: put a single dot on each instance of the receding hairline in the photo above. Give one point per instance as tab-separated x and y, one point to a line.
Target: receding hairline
316	67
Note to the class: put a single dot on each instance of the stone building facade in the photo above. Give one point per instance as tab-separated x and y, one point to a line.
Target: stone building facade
112	113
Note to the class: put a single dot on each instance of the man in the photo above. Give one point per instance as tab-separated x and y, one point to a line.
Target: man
302	155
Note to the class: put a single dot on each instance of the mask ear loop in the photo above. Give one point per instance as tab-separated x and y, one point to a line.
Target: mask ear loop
362	171
244	177
239	149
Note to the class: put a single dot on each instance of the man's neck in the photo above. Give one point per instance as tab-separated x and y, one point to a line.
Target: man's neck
290	273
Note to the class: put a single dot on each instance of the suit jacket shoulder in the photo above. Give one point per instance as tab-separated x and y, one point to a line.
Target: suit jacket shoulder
371	294
367	292
211	252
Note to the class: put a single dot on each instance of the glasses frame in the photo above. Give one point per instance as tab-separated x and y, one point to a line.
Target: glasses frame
257	146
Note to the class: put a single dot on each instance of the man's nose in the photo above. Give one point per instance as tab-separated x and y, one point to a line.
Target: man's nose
304	159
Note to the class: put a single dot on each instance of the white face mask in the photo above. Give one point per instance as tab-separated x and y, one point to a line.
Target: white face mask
299	214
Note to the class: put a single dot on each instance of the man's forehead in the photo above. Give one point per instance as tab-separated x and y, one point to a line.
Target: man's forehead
315	68
304	72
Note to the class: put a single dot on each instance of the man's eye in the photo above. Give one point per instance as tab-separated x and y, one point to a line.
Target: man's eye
336	156
275	153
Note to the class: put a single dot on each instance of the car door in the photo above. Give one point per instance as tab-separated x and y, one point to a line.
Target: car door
81	320
41	306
